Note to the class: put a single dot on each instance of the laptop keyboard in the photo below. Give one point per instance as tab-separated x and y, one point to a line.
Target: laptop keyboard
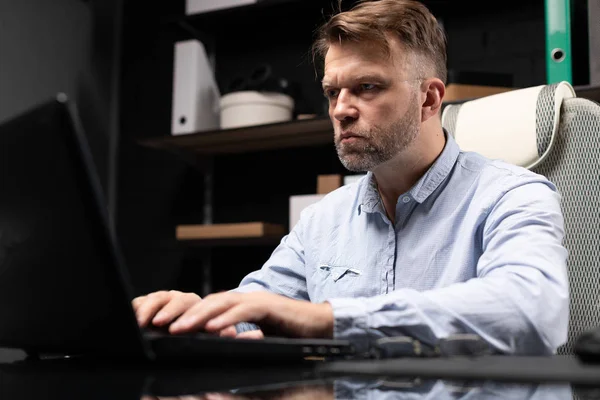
162	332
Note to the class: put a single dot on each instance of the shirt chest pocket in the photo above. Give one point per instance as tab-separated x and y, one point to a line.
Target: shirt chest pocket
336	273
335	281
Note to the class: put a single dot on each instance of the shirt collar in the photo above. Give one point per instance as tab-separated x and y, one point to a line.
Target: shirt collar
425	186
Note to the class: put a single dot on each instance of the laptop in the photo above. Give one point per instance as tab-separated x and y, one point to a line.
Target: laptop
64	285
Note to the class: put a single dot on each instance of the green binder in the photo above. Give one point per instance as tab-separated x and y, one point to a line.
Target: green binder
558	41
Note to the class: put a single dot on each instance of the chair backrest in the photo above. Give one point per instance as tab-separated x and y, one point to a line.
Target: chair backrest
567	137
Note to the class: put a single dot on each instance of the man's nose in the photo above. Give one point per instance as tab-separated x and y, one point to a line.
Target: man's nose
345	107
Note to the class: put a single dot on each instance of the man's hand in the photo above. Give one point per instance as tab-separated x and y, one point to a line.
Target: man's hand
162	308
275	313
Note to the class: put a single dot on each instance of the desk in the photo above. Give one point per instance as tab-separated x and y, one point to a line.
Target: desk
64	380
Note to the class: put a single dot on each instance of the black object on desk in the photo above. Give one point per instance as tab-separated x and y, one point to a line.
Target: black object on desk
64	287
489	367
587	346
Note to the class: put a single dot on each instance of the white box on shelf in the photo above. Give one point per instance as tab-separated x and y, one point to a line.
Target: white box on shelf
299	203
195	92
348	179
202	6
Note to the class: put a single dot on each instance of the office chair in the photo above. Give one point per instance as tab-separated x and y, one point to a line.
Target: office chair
552	132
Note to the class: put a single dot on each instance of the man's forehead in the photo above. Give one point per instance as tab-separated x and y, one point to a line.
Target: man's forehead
359	50
390	53
390	47
352	62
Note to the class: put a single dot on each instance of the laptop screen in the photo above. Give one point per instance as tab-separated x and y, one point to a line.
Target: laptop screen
62	286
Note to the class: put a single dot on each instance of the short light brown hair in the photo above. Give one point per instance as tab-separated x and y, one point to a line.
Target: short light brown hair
371	20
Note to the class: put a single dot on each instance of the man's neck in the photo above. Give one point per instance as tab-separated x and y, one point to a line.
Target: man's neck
398	175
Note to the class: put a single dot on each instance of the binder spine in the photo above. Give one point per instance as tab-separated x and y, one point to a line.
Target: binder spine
558	41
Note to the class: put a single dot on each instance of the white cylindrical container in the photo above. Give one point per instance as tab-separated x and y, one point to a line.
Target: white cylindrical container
246	108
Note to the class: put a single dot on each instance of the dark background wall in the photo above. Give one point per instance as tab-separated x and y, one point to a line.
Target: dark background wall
69	46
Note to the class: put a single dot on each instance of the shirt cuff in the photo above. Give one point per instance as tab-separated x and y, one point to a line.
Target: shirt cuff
350	322
246	327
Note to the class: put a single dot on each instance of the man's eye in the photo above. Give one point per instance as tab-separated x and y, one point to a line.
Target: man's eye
367	86
332	93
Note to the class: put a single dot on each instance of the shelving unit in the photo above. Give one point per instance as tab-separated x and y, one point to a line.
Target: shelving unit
249	233
263	11
296	133
205	26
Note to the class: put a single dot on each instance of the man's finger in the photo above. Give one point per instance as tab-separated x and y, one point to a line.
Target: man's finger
230	331
150	306
242	312
223	396
255	334
176	307
137	302
196	317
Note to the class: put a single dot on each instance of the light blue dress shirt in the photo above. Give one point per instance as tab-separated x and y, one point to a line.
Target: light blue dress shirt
476	248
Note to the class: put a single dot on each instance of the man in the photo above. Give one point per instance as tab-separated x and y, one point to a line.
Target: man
432	242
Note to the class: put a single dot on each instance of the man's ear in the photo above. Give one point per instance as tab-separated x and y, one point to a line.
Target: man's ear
433	91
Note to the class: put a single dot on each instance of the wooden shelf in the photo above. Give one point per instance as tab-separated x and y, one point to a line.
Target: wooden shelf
298	133
247	233
270	241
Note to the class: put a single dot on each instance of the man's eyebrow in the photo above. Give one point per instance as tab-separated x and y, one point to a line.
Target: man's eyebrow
359	78
325	82
369	77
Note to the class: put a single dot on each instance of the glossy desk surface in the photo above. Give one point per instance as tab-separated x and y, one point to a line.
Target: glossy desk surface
484	378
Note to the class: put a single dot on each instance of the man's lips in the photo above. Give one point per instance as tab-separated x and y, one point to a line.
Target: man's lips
349	135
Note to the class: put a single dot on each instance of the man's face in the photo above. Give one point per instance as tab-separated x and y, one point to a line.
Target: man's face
373	103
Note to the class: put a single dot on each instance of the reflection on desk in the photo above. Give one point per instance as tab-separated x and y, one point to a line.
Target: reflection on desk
446	390
399	390
49	381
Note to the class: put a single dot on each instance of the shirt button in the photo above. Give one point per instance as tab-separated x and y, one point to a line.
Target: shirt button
405	199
